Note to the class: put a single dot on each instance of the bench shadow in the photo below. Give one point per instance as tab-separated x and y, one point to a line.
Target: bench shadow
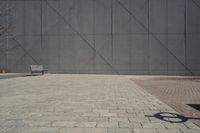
11	76
18	75
30	75
171	117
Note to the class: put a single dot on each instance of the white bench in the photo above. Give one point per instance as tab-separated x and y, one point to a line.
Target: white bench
37	69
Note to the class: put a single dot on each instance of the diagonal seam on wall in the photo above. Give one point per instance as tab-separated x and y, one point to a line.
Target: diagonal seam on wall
70	9
85	40
29	50
153	35
135	12
196	3
25	51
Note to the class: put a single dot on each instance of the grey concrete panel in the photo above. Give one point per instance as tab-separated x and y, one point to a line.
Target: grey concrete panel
68	54
193	36
121	20
3	56
138	5
100	66
85	16
16	56
34	49
84	54
157	11
2	61
104	54
51	53
104	36
193	17
176	45
158	56
32	18
104	46
50	20
193	60
139	54
176	22
18	17
140	11
122	53
102	17
66	7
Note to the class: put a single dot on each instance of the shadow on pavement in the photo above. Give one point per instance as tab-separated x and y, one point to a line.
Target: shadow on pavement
8	76
195	106
171	117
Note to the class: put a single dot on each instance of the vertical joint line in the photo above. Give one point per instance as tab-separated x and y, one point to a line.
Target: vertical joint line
94	23
185	31
41	17
24	30
167	36
112	28
149	56
59	42
130	40
7	35
94	35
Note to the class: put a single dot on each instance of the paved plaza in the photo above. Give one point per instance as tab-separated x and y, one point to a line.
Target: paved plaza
64	103
178	93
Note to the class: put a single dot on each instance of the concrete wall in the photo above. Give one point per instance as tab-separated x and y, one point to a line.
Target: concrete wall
104	36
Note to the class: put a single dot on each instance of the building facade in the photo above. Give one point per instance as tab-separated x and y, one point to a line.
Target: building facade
103	36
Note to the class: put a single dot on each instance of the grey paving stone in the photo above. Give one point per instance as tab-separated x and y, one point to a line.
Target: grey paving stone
175	125
130	125
144	131
168	131
63	124
189	130
98	119
9	123
108	124
95	130
153	119
139	119
117	119
32	130
85	124
71	130
153	125
117	111
101	110
3	129
190	125
119	130
108	114
36	123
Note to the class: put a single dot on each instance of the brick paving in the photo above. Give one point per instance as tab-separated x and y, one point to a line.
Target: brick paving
81	104
177	93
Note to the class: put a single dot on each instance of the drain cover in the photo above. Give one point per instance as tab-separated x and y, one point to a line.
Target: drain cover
195	106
